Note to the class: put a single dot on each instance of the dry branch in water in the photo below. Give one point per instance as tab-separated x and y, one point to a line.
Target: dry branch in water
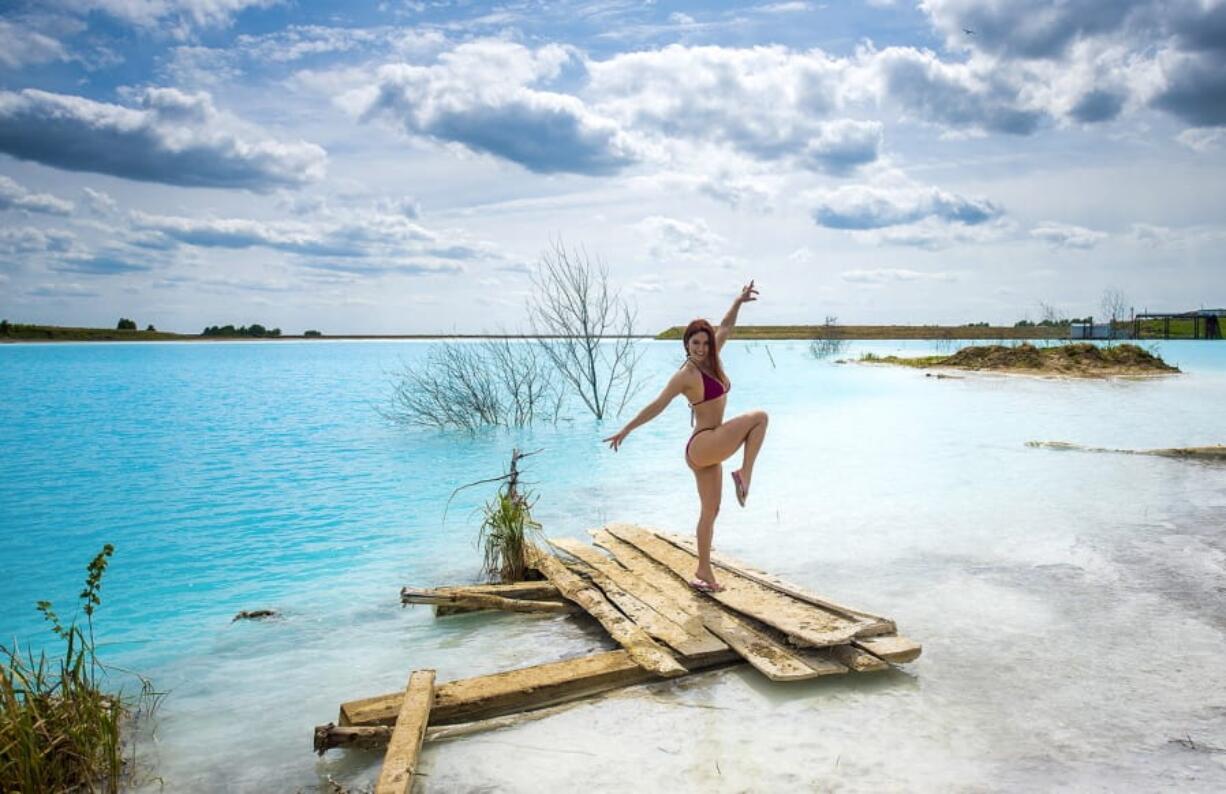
586	329
495	382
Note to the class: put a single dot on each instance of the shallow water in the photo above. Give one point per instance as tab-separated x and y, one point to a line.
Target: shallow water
1071	605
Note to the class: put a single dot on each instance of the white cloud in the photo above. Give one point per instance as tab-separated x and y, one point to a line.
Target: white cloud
480	95
1203	139
99	202
365	242
1065	235
32	240
179	16
20	46
880	276
16	197
172	137
673	238
857	207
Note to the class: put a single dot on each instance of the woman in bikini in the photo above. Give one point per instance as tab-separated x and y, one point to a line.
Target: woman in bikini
703	382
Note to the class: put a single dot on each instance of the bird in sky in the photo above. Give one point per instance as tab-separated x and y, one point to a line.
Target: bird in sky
968	31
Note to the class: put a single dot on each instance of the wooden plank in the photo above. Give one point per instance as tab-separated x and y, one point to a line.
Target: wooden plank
534	591
774	660
873	624
404	746
804	624
644	604
857	659
642	648
512	691
481	601
893	649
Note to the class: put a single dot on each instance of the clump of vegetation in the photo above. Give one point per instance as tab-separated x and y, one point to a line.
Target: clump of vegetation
1076	360
312	333
255	330
59	731
829	343
125	324
507	528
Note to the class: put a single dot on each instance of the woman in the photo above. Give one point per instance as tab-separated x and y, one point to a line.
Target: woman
703	382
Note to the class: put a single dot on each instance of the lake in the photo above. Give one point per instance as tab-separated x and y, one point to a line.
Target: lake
1072	606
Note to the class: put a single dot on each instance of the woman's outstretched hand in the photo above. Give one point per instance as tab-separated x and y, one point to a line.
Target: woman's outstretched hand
748	293
615	441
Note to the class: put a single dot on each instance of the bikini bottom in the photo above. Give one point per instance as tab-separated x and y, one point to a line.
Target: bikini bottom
691	441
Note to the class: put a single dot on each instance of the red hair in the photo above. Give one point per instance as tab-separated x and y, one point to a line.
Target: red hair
697	327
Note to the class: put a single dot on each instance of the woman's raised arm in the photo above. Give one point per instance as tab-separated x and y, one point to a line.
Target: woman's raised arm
671	389
722	334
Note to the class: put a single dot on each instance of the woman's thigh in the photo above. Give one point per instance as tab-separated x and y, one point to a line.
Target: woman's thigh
717	445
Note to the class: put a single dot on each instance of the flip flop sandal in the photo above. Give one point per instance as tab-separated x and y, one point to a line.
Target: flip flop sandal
705	587
741	494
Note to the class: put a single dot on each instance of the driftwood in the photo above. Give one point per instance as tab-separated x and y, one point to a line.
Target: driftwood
404	746
642	648
499	694
475	601
773	659
805	625
375	737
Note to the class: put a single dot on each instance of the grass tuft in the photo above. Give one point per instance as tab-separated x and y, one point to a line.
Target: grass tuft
59	730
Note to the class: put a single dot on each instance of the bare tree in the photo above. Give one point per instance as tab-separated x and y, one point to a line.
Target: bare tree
585	329
1114	304
468	386
829	343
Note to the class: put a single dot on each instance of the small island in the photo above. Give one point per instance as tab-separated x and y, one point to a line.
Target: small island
1079	360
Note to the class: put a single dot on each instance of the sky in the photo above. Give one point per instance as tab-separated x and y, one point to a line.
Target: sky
401	167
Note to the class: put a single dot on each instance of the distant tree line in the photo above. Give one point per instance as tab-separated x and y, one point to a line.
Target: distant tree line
253	330
125	324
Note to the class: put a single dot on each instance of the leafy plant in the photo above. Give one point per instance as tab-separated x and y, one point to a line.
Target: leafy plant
505	535
59	731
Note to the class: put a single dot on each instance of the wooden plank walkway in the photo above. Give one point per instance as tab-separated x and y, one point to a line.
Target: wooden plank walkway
873	624
805	624
644	649
774	660
643	603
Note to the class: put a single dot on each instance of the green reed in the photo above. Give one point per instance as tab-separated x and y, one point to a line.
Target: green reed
505	535
59	730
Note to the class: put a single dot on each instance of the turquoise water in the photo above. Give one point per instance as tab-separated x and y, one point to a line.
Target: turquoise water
1071	605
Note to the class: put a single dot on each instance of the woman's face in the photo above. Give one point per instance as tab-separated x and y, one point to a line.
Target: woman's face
698	345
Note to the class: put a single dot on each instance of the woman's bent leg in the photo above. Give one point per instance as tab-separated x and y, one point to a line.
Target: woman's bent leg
753	445
710	487
722	443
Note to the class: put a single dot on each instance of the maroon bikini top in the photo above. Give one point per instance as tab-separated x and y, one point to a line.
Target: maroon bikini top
712	389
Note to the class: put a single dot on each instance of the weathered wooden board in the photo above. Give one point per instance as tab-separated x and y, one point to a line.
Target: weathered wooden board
805	624
644	604
642	648
857	659
482	697
774	660
481	601
873	624
404	746
894	649
534	591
